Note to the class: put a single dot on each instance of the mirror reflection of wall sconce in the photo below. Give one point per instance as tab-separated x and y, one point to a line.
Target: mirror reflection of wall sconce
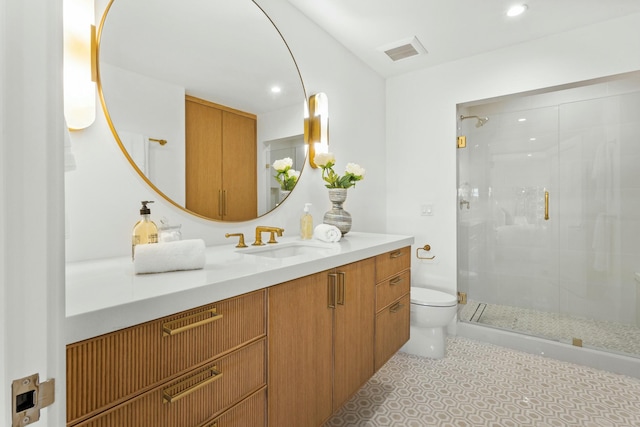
79	63
316	129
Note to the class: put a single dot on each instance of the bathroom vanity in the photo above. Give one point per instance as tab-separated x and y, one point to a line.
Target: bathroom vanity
204	348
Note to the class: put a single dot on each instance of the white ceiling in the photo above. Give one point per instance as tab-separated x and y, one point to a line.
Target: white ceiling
449	29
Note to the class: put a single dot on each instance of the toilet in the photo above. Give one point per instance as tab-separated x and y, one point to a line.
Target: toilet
431	312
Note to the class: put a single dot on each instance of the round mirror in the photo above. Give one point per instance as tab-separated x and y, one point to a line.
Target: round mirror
203	97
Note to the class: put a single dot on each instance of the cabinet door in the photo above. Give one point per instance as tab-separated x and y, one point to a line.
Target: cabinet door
239	171
354	333
203	154
300	352
392	329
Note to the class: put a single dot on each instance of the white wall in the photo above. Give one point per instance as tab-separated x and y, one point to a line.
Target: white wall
421	123
104	194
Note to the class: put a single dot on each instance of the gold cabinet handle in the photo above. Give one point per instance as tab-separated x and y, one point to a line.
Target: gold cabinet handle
396	254
220	202
396	307
546	206
191	384
331	290
341	287
176	326
396	281
224	202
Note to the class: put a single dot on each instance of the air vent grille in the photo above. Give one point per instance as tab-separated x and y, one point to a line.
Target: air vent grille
403	49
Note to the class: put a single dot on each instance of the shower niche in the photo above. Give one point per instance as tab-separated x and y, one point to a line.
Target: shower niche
549	213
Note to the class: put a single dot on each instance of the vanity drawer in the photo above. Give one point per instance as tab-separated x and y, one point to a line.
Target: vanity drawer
250	412
392	289
392	263
392	330
106	370
196	397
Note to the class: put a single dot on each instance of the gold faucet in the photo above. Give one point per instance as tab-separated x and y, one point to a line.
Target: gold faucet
273	230
241	243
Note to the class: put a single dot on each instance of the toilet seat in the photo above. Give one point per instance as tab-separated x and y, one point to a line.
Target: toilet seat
432	298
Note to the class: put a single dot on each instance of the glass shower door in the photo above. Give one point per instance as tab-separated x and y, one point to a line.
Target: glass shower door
509	175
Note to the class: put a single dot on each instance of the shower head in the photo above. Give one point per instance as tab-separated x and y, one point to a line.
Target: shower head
480	120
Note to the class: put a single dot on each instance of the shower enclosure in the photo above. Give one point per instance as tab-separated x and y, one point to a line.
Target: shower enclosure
549	214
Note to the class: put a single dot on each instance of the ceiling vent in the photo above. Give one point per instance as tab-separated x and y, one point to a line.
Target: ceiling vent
403	49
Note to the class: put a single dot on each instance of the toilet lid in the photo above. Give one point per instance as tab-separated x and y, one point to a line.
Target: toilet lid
433	298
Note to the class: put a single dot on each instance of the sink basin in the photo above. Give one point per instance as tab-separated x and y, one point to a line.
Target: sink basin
292	249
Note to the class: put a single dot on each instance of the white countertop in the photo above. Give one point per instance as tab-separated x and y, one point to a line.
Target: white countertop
103	296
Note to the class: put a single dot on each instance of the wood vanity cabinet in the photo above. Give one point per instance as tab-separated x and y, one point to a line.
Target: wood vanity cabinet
321	342
393	287
189	369
220	161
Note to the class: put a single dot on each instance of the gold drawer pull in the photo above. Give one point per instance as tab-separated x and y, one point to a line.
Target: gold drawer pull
331	290
176	326
396	281
189	385
396	307
342	282
396	254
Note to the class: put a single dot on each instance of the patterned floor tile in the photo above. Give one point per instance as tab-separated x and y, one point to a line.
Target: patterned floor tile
614	337
480	384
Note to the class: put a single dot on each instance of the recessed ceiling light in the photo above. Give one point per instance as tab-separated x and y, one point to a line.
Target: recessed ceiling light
532	139
276	89
516	10
522	119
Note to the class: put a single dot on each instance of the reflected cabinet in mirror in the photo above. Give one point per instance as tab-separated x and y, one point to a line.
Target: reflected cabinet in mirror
203	96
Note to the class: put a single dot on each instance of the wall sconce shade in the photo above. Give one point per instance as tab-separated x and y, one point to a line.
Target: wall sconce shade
79	63
316	129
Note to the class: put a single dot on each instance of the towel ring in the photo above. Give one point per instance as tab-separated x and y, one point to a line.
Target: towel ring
425	248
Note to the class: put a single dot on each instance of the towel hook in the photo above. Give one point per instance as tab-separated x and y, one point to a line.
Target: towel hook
425	248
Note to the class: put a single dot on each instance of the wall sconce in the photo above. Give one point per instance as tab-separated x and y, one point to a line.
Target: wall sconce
316	129
79	63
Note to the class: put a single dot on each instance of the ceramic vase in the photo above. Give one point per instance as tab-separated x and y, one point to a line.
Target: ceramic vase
337	215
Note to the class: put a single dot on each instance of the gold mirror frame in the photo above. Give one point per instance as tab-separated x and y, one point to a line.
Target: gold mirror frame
128	156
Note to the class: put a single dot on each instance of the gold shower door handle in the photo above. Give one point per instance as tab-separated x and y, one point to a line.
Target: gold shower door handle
546	206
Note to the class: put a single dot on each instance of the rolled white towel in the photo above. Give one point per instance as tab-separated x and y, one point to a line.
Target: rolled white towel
169	256
327	233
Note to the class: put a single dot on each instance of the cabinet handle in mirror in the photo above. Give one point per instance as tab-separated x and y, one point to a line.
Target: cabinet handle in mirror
191	384
224	202
220	203
180	325
546	206
342	281
396	281
331	290
396	307
396	254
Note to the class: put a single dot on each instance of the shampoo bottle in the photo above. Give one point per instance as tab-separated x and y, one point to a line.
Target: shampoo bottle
145	231
306	223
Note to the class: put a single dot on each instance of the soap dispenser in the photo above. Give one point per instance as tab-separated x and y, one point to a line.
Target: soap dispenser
306	223
145	231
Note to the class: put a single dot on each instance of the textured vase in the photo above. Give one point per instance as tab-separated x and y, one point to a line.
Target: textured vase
337	215
283	195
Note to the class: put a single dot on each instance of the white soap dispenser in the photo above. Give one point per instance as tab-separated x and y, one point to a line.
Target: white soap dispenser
306	223
145	231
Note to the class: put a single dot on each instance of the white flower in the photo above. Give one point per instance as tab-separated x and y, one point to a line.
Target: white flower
293	173
355	169
283	164
324	159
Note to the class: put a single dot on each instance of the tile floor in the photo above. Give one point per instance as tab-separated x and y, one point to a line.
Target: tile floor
614	337
480	384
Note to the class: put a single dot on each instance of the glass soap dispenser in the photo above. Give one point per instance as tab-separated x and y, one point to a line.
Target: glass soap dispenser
145	231
306	223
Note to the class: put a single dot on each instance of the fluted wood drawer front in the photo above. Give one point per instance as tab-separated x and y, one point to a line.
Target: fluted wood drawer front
199	335
108	369
195	397
393	262
391	289
392	330
251	412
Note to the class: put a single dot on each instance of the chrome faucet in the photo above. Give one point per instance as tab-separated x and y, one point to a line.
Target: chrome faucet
273	230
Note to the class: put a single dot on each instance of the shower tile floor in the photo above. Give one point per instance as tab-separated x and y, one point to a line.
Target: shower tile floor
480	384
614	337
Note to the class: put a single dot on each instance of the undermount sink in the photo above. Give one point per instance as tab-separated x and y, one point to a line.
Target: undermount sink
292	249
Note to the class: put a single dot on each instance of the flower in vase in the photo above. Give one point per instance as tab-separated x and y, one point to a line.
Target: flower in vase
353	172
285	176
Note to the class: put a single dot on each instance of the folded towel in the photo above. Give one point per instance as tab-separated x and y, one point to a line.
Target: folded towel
169	256
327	233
